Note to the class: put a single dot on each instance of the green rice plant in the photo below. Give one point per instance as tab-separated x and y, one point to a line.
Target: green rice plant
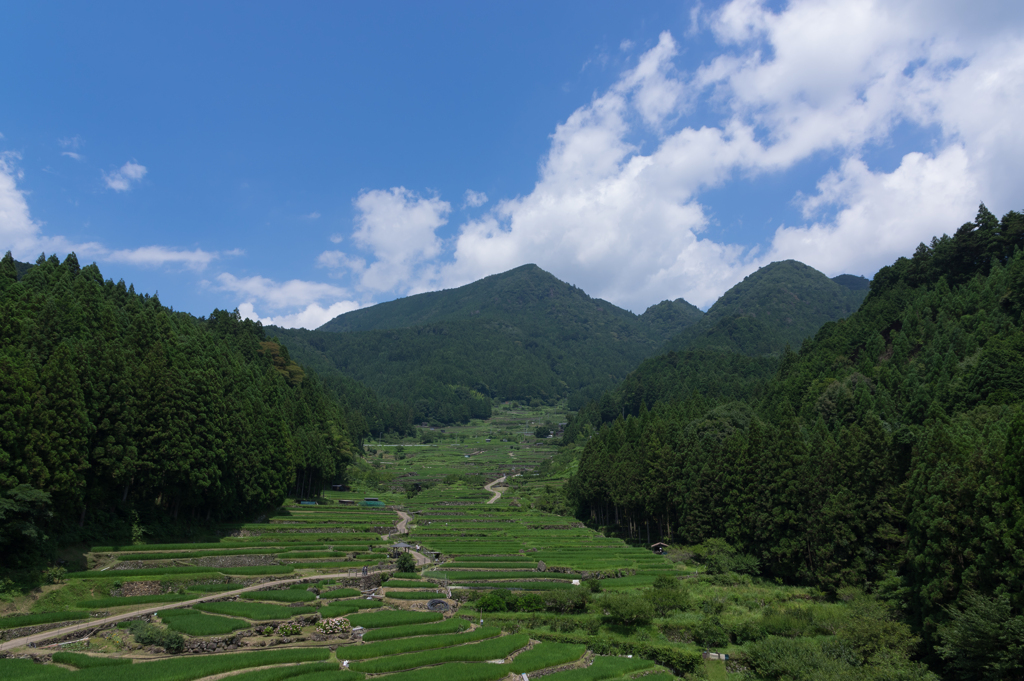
81	661
545	655
406	575
43	618
334	567
113	602
456	671
407	584
392	618
340	593
189	668
478	652
301	670
281	596
328	675
448	626
491	566
195	623
253	611
139	572
408	645
413	595
29	670
259	570
602	668
521	586
181	555
342	608
468	575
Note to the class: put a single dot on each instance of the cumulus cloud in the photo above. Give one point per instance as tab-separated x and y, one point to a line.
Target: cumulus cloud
23	235
311	317
308	296
155	256
121	180
19	232
622	216
398	227
474	199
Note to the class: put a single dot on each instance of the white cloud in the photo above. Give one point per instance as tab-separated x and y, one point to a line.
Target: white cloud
337	238
626	45
311	317
121	180
196	259
71	154
279	295
340	260
623	218
312	216
474	199
305	296
21	234
398	227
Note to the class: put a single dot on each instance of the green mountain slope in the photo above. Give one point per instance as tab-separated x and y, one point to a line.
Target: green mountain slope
886	455
781	304
519	335
115	409
732	351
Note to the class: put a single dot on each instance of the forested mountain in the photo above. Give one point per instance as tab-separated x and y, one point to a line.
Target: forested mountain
115	410
735	348
778	305
886	454
520	335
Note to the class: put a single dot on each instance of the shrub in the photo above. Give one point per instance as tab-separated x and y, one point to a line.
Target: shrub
289	629
666	582
333	625
55	575
710	633
147	634
629	609
406	563
594	585
665	601
567	600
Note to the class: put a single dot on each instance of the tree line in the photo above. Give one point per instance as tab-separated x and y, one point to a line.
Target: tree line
115	408
888	453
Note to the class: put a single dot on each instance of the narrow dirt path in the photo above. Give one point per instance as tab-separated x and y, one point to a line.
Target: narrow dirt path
92	624
490	488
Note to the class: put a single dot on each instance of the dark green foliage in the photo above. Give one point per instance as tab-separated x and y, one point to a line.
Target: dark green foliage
151	635
112	405
983	639
627	608
886	453
406	563
519	335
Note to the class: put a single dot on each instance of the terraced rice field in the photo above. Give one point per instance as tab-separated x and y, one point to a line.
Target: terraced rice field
303	566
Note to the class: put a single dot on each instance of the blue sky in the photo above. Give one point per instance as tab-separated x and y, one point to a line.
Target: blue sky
299	161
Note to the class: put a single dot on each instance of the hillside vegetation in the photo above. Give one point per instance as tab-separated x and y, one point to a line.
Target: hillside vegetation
524	335
886	454
117	413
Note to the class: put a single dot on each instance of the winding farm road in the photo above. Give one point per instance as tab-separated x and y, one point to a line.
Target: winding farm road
100	623
490	488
